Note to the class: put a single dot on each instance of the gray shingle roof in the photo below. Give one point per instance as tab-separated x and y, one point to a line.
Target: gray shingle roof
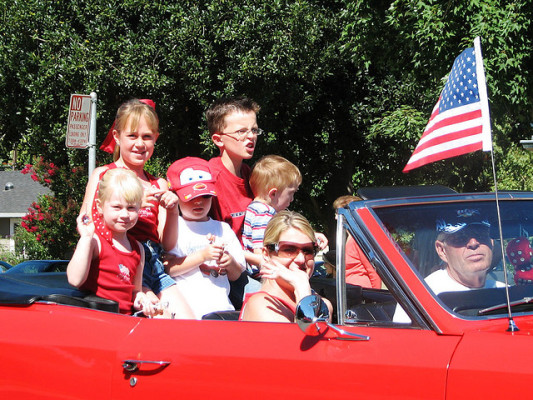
25	191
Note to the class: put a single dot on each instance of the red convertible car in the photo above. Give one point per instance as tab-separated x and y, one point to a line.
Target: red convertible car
57	343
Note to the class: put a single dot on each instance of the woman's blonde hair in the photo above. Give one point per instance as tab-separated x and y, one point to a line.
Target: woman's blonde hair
124	182
285	220
133	110
273	172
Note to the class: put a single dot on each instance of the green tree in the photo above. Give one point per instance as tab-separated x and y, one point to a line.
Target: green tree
346	87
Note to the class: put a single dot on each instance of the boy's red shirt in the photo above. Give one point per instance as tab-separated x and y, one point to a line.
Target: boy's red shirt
233	195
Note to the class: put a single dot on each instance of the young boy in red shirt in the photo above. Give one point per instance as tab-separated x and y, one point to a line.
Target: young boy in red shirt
232	123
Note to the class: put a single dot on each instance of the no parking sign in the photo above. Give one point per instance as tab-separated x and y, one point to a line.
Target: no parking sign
79	121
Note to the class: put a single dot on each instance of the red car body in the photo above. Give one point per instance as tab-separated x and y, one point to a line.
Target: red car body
52	350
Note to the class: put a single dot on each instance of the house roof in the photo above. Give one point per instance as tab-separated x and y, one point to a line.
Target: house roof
16	201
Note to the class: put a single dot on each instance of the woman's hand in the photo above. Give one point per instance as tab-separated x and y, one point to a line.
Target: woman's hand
291	274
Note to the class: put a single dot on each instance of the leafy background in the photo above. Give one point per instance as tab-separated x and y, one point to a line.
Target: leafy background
346	87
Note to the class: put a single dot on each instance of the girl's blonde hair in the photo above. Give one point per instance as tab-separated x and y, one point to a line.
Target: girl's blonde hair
273	172
124	182
132	111
285	220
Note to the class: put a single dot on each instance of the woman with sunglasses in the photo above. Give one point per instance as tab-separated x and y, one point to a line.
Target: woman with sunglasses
289	248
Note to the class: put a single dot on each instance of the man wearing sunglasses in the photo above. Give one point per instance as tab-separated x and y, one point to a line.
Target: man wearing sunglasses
464	245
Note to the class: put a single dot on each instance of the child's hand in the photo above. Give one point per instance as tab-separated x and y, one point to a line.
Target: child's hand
321	240
147	305
85	225
225	260
169	201
152	194
212	252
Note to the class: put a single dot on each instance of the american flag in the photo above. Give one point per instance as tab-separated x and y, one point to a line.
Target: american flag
460	121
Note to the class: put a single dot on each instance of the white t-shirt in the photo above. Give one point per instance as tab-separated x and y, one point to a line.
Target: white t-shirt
205	293
440	281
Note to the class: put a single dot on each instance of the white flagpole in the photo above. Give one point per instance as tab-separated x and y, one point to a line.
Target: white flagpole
487	146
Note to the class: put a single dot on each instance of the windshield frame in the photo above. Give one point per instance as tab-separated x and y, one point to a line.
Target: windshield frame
397	280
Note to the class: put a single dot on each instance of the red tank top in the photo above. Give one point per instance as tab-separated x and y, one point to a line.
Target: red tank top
146	227
112	274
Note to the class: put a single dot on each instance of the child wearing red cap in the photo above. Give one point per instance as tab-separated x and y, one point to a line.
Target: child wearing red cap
208	254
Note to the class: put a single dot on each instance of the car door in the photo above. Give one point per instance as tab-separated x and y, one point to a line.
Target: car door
493	363
51	351
222	359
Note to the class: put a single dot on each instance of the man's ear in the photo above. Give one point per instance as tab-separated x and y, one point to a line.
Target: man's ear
439	247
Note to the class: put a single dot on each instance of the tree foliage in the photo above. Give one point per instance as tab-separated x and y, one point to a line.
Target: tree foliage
345	87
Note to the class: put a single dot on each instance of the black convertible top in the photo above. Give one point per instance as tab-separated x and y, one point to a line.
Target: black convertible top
25	289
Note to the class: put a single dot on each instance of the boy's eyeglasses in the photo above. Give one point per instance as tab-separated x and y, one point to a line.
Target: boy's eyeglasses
242	133
291	250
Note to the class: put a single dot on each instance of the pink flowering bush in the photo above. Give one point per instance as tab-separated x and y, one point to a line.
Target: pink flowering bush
50	224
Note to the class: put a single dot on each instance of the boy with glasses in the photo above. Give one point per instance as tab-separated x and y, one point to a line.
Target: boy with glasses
232	123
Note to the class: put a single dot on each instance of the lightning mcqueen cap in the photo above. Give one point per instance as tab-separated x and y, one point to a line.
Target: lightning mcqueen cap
191	177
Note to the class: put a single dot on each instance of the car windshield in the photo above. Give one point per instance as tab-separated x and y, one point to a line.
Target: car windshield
453	257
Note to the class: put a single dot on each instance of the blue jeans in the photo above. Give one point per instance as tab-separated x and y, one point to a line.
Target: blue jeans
154	275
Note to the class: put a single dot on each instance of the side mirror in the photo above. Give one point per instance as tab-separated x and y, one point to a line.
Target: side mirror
312	315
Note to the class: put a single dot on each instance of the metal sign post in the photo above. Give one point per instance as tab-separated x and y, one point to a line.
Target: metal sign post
92	135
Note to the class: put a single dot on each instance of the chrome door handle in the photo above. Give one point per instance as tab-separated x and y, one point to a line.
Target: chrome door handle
133	365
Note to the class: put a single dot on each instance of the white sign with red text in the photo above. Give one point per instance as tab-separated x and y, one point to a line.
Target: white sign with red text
79	121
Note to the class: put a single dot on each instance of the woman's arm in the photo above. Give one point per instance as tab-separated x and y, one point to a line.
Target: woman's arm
294	276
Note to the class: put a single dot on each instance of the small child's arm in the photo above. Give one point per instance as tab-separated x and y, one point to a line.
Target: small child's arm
86	249
255	257
232	267
168	217
141	300
175	266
